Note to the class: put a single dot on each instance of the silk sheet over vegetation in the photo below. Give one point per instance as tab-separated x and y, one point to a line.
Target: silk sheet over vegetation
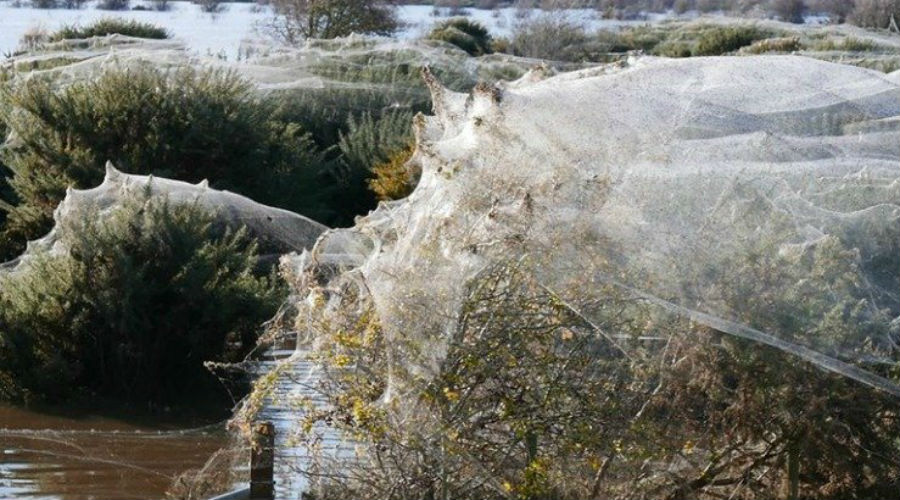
660	279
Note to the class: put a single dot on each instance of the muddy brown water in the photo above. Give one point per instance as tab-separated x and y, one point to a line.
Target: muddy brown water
63	456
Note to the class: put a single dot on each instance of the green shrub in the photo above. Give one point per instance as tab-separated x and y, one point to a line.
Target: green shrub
721	40
673	49
370	141
785	44
297	20
470	36
108	26
552	37
144	295
848	44
186	124
392	180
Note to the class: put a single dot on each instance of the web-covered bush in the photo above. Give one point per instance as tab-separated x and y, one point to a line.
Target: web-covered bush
108	26
534	400
186	124
394	179
553	37
144	294
470	36
697	302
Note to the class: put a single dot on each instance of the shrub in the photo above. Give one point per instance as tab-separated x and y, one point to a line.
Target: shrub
143	297
45	4
673	49
297	20
789	10
186	124
370	141
394	179
552	37
785	44
837	10
721	40
875	13
211	6
33	38
109	26
533	398
470	36
113	4
847	44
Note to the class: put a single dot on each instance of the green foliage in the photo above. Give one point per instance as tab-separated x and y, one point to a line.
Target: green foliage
143	296
393	179
186	124
108	26
673	49
784	44
552	37
470	36
725	39
297	20
847	44
535	401
370	141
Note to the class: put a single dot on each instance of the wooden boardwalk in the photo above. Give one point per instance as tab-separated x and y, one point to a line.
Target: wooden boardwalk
295	382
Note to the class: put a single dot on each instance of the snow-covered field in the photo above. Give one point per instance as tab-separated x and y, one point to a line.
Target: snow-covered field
222	33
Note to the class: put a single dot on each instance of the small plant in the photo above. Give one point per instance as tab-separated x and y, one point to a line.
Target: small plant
673	49
109	26
550	36
33	38
847	44
211	6
113	4
297	20
470	36
784	44
789	10
722	40
394	179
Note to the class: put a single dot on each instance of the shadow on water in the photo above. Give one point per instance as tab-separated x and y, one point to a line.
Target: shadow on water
70	454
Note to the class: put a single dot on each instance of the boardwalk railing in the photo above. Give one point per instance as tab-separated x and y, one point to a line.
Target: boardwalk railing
262	467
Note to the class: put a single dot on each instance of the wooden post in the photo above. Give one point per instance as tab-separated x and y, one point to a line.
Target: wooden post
262	462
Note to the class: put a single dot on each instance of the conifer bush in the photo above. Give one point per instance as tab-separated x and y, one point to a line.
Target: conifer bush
143	295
